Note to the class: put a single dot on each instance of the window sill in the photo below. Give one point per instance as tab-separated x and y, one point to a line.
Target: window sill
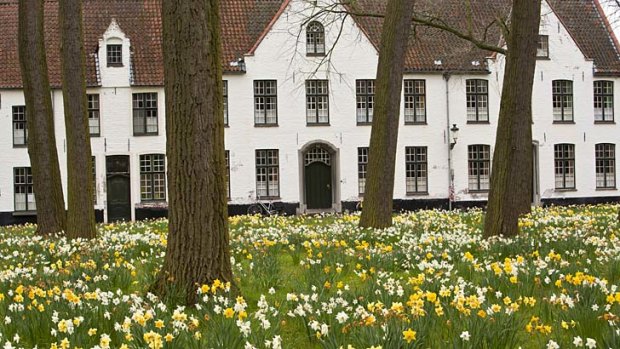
115	65
364	124
416	123
161	204
315	54
22	146
478	122
562	190
567	122
605	122
417	193
145	134
543	58
265	125
470	191
267	198
93	135
318	124
24	213
607	189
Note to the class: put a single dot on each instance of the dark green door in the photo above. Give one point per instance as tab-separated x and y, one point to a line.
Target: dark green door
118	188
318	179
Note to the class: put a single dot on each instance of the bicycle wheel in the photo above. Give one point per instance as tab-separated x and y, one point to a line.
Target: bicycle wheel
254	209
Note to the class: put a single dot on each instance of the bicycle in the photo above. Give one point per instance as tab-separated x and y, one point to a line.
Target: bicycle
262	208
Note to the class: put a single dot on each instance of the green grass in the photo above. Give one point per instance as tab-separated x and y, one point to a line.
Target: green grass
297	274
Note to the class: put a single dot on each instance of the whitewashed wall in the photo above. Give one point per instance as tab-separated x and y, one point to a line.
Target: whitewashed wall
281	56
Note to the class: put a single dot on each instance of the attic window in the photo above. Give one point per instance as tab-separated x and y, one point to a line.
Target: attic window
543	47
315	39
115	55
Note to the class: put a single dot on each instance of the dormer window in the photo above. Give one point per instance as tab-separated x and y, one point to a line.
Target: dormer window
543	47
115	55
315	39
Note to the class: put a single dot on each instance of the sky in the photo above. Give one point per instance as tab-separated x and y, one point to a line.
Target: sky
613	14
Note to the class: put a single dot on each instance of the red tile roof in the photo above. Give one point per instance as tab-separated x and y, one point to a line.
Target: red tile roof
584	20
245	22
587	24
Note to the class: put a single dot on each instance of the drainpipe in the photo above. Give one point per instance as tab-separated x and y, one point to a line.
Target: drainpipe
446	77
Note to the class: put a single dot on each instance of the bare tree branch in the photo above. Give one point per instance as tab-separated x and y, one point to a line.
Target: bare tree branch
347	7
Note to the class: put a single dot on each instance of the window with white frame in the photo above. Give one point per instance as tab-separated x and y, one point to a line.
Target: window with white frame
315	39
365	104
605	154
94	162
603	101
23	189
479	165
93	115
227	157
542	51
317	102
265	102
362	165
267	173
145	114
477	94
562	101
415	101
564	166
416	170
153	177
20	131
114	55
225	94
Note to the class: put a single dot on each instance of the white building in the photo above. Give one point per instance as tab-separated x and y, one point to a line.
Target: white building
298	124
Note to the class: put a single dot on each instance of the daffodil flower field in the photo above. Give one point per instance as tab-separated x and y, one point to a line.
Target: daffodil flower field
430	281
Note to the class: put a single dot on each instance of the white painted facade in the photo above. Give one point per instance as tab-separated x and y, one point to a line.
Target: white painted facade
281	56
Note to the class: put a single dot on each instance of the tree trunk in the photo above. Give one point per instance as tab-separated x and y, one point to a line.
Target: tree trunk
81	211
51	215
378	195
511	174
198	244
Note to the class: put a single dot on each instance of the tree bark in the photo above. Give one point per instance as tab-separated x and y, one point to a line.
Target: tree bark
198	244
377	209
81	211
51	215
511	175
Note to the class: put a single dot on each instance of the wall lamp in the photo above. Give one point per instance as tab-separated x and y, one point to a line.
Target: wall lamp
454	135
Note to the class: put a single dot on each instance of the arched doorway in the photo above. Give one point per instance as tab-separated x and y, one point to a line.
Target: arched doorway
318	173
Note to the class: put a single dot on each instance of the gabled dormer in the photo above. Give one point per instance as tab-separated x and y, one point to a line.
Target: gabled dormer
114	57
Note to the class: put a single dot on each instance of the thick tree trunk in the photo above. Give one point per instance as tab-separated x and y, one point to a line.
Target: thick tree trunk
51	215
81	211
511	174
198	243
377	210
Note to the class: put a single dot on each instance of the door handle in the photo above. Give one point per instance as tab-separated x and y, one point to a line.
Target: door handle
329	186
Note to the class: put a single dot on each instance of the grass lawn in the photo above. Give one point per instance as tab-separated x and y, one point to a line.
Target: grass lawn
431	281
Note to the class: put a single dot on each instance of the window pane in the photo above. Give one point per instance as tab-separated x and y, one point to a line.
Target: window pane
362	163
267	173
145	113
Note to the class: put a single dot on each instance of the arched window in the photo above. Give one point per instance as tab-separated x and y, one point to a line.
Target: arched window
315	39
